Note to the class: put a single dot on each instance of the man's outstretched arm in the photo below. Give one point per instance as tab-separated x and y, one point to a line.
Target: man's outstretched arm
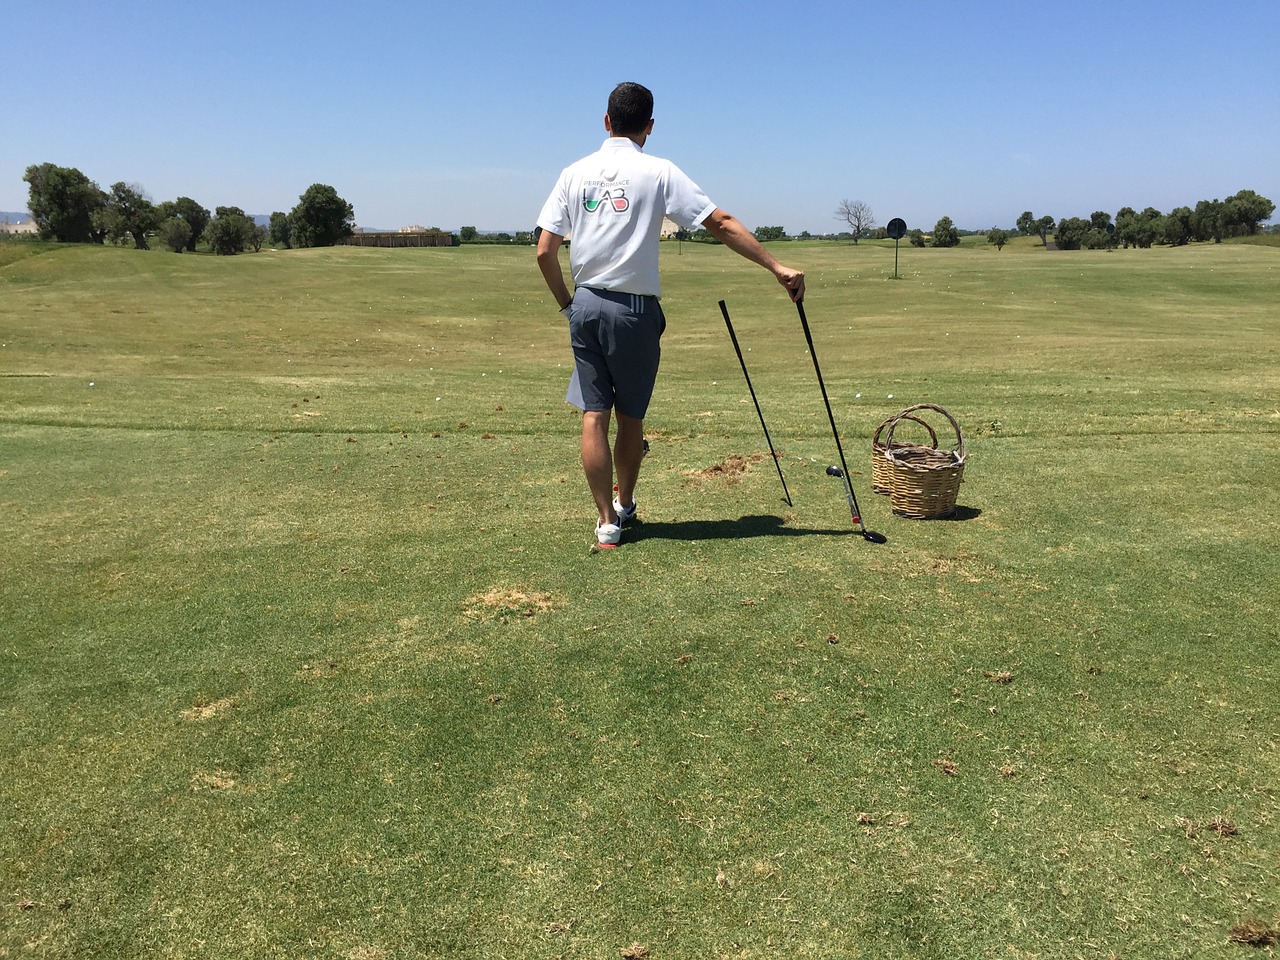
729	230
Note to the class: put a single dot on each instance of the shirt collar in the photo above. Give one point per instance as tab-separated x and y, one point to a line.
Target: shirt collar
621	143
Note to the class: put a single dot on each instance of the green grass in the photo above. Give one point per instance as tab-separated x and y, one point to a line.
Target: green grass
303	652
1259	239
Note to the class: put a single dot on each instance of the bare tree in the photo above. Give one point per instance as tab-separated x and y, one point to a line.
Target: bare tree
857	215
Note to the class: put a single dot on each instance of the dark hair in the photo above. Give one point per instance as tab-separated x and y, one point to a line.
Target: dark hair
630	109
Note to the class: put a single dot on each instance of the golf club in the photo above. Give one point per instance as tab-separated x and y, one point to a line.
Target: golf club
732	336
843	470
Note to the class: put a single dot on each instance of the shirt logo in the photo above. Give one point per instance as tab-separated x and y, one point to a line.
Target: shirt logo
615	197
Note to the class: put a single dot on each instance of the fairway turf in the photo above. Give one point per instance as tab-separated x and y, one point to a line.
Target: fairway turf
303	651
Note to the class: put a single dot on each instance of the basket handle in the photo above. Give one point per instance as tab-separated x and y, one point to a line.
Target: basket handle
893	422
933	437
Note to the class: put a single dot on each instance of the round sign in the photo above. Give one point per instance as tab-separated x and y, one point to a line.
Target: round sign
896	228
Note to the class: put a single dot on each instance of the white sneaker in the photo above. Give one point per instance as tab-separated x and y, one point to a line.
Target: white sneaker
608	534
625	514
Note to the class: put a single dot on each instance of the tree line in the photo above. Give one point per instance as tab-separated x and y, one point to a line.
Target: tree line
69	207
472	235
1241	214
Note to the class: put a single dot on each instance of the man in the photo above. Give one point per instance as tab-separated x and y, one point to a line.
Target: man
612	203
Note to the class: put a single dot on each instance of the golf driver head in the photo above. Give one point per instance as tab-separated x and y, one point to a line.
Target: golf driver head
834	472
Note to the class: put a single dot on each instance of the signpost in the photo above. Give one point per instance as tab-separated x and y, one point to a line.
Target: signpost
896	228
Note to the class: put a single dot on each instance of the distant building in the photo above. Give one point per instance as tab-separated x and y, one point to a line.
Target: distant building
405	237
22	226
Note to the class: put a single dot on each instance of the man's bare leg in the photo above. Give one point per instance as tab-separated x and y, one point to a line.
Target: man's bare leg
628	452
597	462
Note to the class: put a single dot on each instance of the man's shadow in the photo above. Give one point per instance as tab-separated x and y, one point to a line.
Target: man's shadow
743	527
762	525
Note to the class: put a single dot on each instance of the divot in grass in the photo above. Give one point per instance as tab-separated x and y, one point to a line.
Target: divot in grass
318	670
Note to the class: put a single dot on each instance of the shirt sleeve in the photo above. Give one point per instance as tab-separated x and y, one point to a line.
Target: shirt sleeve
555	212
685	202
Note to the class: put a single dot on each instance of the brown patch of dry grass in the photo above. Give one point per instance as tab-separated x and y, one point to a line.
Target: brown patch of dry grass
217	780
505	601
1254	933
204	710
732	470
1222	826
944	566
947	766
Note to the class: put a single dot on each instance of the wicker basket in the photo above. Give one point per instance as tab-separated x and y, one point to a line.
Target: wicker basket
925	482
881	475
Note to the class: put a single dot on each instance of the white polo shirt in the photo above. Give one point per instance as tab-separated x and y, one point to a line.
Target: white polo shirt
612	203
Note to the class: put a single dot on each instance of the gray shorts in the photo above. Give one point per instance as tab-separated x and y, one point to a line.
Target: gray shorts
615	339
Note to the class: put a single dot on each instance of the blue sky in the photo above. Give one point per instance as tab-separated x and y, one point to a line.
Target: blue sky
450	113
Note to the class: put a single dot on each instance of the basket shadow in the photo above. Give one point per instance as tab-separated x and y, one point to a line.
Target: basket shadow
960	513
742	528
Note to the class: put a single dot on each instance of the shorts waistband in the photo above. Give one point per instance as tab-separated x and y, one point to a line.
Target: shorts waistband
638	303
618	294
